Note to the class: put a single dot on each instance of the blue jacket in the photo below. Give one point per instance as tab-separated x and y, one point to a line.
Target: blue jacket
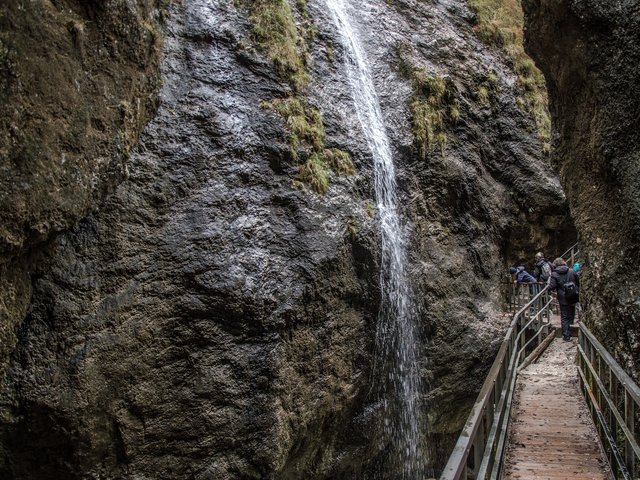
522	276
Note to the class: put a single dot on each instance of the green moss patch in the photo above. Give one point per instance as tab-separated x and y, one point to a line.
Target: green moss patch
276	33
487	88
500	23
315	173
434	108
284	40
306	139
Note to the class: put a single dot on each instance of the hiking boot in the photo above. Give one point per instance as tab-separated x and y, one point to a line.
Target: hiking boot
566	339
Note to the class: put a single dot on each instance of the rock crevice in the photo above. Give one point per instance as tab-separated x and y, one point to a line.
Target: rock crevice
588	51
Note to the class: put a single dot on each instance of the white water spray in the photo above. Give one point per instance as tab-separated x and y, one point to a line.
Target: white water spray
396	337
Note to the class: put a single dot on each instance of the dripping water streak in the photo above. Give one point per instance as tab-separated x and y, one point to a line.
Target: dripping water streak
396	337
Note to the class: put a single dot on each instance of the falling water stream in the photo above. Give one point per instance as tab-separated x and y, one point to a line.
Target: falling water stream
397	373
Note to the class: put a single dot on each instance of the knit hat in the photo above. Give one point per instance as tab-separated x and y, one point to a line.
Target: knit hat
513	269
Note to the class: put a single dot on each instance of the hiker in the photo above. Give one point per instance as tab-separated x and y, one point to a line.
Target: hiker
566	282
576	268
579	309
524	277
541	269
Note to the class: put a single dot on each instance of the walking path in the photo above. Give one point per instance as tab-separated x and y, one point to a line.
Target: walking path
551	433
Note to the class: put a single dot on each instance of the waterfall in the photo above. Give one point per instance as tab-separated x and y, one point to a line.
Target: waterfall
396	337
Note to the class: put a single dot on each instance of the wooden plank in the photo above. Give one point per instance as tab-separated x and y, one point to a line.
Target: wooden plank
551	434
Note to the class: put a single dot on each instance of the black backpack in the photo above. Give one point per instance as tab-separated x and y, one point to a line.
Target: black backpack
570	289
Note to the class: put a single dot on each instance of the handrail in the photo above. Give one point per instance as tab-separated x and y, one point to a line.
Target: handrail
613	399
520	294
573	247
480	447
571	255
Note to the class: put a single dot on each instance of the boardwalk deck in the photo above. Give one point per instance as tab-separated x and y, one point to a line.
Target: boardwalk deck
551	434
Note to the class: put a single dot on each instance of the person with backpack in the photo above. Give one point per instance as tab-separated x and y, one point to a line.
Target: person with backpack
541	268
566	283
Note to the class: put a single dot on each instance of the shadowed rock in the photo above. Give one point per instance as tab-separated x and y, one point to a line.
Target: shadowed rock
589	52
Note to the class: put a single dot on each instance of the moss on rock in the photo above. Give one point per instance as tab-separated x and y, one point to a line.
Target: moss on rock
434	107
500	23
306	139
276	33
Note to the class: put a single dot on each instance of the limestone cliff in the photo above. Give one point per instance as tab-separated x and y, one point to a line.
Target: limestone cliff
589	52
215	316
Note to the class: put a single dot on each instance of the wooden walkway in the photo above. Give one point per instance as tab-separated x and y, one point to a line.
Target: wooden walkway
551	434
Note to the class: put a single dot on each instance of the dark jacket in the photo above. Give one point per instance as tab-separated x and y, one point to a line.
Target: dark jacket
559	276
537	270
522	276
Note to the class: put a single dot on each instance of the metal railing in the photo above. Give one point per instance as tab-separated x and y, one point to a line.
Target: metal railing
480	447
572	255
517	295
614	401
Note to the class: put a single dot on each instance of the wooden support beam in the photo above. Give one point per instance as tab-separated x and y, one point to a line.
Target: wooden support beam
538	350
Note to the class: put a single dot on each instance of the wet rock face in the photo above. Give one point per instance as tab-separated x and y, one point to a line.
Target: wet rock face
78	82
215	318
589	52
65	130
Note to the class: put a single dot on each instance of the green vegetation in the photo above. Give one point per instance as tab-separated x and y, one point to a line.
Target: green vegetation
352	229
304	124
306	135
339	161
275	32
487	88
371	209
330	53
500	23
314	172
433	107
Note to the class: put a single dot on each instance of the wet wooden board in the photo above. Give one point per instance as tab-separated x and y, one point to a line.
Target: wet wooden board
551	434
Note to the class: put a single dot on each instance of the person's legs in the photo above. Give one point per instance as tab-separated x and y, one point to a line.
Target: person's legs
572	314
567	312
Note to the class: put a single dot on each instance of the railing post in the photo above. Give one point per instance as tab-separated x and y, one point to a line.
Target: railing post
629	417
613	393
478	448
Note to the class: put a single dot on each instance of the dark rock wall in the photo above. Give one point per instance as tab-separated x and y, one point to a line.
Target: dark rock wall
214	318
78	81
590	53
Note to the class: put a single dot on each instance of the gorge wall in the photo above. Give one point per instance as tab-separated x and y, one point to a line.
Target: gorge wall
201	303
78	83
589	52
